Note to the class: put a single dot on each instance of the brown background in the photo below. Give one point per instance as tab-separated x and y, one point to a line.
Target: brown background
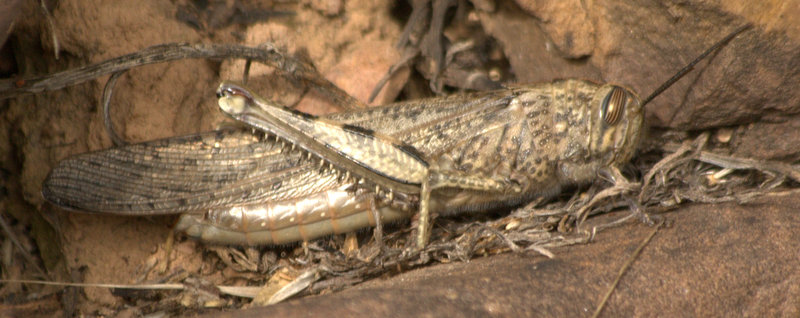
715	259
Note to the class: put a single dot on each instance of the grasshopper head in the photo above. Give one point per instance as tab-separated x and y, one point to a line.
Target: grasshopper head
618	113
617	118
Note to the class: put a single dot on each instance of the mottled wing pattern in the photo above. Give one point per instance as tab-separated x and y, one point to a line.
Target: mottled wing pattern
226	168
180	174
436	125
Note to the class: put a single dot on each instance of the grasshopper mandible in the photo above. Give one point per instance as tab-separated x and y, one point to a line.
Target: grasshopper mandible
298	177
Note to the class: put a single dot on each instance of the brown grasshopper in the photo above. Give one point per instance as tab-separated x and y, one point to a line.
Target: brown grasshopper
299	177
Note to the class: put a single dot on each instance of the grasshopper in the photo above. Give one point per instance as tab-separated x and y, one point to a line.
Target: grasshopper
295	176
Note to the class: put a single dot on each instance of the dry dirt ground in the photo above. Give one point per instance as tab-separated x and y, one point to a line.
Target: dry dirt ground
713	258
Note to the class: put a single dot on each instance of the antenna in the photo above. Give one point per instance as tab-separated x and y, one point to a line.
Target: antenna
691	65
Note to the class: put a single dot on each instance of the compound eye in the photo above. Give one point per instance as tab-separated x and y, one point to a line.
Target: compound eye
614	105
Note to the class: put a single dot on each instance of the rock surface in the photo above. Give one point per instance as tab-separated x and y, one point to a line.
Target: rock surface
714	260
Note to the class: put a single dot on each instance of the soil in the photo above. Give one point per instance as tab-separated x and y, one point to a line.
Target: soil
744	94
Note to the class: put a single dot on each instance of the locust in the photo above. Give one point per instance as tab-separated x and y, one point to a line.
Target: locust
296	177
